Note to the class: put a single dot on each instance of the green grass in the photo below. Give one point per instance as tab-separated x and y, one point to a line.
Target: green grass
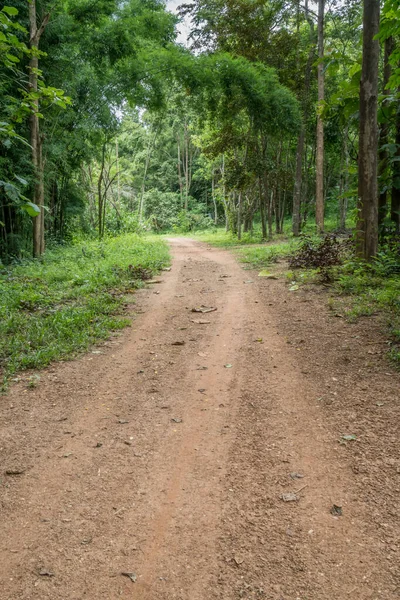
368	290
220	238
258	257
58	306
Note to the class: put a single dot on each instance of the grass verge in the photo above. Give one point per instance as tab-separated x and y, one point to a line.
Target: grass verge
58	306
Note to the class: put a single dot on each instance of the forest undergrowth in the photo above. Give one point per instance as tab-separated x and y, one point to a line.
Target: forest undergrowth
59	305
357	289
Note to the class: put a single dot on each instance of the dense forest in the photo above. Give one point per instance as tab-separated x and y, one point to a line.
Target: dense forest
280	111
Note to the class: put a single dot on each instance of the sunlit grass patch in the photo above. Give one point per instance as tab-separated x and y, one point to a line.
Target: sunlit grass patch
60	305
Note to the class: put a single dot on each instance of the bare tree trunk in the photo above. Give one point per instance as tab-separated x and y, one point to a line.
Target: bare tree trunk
262	210
296	224
118	177
367	224
344	163
319	187
384	133
35	139
213	198
395	204
180	172
186	167
224	194
146	168
100	197
239	217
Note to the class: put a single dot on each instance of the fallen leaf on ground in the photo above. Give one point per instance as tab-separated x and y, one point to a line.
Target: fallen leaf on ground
293	287
228	366
132	576
351	437
267	275
176	420
178	343
122	421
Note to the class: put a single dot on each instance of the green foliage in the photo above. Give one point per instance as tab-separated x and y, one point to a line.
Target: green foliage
60	305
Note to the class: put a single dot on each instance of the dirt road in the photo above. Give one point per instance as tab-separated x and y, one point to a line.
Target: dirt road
169	454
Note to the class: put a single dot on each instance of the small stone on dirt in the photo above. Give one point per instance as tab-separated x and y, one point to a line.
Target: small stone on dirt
178	343
176	420
200	322
122	421
45	573
289	497
336	510
15	471
204	309
296	475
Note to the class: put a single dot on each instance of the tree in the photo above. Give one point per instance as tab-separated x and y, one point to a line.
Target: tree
319	194
367	223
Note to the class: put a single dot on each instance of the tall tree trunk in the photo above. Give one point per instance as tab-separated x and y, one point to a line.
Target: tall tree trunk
213	198
384	135
186	167
319	187
367	224
180	172
35	33
296	223
239	217
298	181
263	212
224	194
100	195
344	180
395	204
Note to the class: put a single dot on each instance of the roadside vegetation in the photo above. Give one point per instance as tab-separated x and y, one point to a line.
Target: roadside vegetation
358	289
58	306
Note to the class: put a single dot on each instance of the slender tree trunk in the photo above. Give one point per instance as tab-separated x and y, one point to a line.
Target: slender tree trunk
118	176
298	181
186	168
35	139
344	180
146	168
262	210
367	225
395	204
180	172
239	217
296	224
100	197
319	187
213	198
224	194
384	134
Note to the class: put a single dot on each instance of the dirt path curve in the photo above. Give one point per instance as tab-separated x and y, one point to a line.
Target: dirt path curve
170	461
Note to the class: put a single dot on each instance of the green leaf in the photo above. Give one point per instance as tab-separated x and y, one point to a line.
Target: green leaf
10	10
32	209
21	180
12	58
